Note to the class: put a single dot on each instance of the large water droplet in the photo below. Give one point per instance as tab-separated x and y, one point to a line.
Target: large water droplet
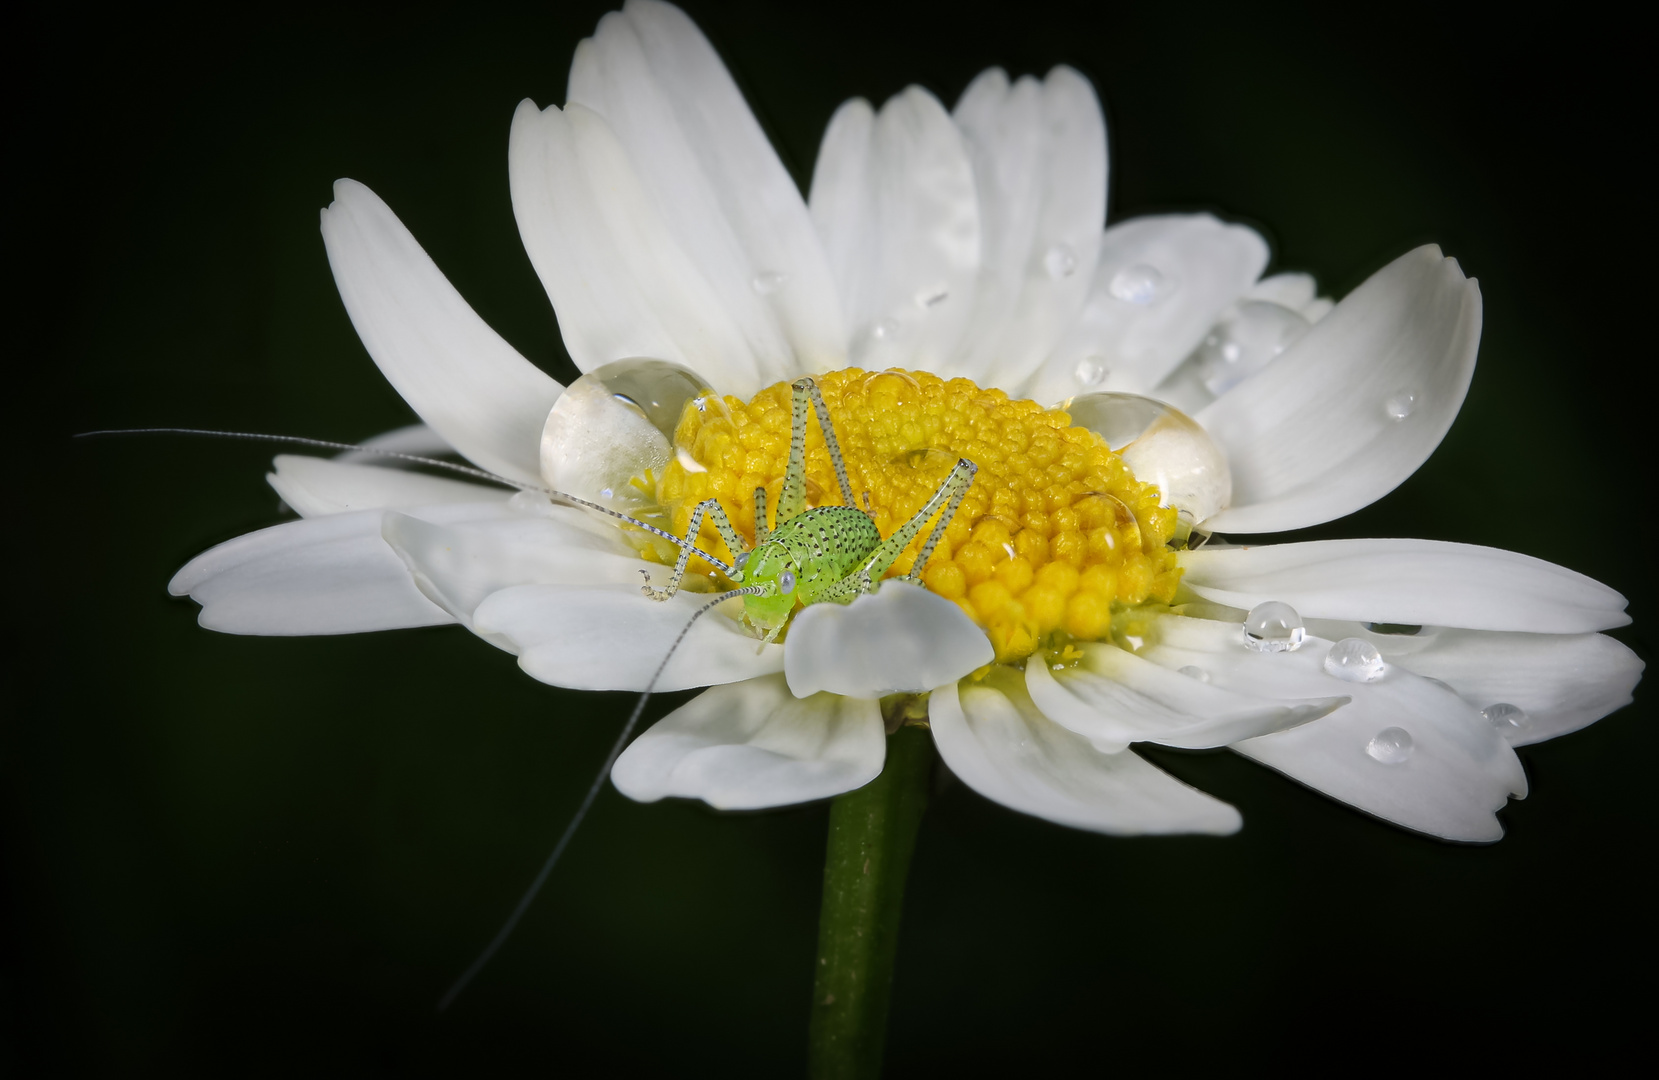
1138	284
1507	718
1060	261
1091	371
1193	671
1355	660
1391	746
768	282
1273	627
1162	446
613	424
1400	405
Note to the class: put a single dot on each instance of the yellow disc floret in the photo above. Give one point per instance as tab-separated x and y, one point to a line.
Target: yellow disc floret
1054	535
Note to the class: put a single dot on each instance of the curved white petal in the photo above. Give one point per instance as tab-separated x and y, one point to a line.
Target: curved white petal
457	567
1039	159
1426	582
467	384
325	575
610	637
1562	681
750	745
996	740
699	152
1356	404
316	486
409	439
1114	698
894	204
1129	335
1293	291
899	639
1457	773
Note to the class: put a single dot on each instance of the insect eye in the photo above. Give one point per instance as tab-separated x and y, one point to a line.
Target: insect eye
786	582
741	561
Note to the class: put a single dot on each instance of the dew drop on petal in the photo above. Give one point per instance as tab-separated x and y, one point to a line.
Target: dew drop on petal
1138	284
1193	671
1355	660
1090	371
768	282
1161	445
1273	627
1507	718
1391	746
1060	261
1400	405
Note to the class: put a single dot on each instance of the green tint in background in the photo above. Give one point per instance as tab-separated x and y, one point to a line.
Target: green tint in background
260	855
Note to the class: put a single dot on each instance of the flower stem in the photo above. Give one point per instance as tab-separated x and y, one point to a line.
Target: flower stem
872	833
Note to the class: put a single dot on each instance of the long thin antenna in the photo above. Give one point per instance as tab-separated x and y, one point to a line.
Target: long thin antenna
587	801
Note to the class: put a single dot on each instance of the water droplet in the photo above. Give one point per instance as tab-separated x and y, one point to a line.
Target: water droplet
884	329
1400	405
1193	671
1138	284
768	282
1274	627
1161	445
1090	371
1507	718
932	296
1060	261
1246	342
1355	660
1391	746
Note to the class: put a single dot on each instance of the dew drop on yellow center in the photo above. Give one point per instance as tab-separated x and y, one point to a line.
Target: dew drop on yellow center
1054	536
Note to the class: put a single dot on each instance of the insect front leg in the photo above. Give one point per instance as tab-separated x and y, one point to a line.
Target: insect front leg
717	513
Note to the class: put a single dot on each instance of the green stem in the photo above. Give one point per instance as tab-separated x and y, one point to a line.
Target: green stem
872	833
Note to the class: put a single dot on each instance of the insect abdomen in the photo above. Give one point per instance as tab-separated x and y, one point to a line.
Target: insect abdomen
827	543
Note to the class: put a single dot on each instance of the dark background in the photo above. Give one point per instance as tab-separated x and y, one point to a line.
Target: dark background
255	855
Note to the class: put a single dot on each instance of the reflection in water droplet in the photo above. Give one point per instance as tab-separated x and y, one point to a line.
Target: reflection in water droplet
1060	261
1273	627
1507	718
1391	746
884	329
1090	371
1400	405
768	282
1138	284
1193	671
1355	660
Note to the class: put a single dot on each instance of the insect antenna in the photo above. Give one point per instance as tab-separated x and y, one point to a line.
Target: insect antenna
587	801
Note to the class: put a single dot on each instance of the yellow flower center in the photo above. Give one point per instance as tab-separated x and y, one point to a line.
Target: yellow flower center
1054	535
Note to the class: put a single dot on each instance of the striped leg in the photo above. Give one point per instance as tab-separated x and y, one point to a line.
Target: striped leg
712	508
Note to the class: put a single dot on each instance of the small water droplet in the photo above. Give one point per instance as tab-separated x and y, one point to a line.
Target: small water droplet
1507	718
1391	746
1193	671
1138	284
884	329
1400	405
1355	660
607	493
1273	627
1060	261
768	282
1090	370
932	296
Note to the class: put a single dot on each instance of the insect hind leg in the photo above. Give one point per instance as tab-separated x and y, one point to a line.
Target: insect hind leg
792	500
949	496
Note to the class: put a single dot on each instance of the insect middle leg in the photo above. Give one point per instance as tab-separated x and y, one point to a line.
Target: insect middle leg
717	514
949	496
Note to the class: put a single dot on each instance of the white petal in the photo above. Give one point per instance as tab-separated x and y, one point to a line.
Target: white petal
315	486
1114	698
1293	291
409	439
1563	681
1426	582
457	567
1039	157
700	153
1356	404
467	384
326	575
753	744
894	204
610	637
995	739
1459	771
899	639
1201	265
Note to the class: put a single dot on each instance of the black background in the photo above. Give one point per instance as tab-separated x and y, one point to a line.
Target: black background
255	855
